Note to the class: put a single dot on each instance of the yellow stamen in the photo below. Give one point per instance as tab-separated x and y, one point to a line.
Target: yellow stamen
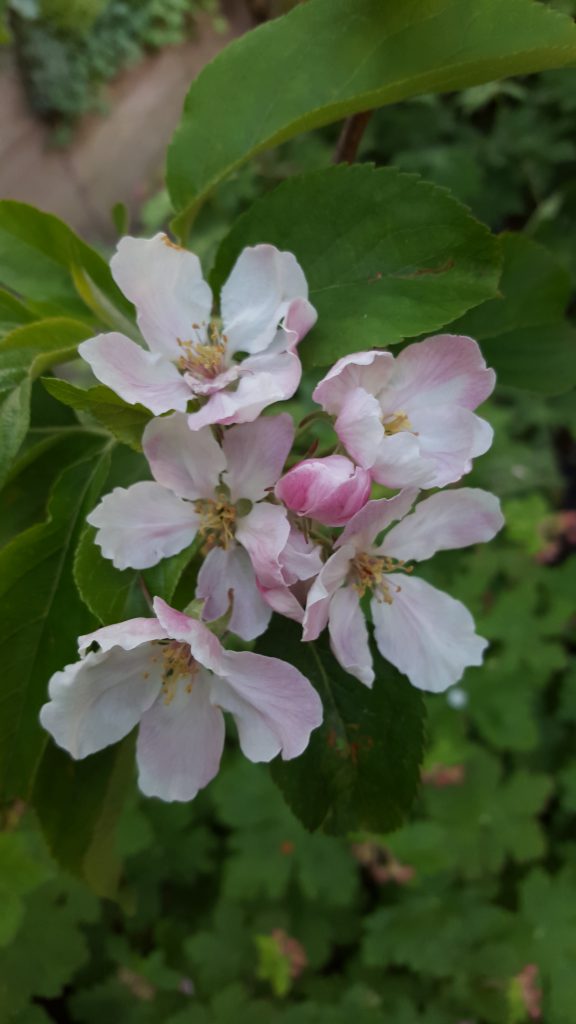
398	422
172	245
203	358
371	572
217	522
178	664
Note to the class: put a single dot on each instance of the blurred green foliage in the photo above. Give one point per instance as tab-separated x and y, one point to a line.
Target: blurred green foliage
68	49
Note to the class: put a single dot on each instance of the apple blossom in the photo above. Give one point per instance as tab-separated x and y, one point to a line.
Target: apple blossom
329	490
408	418
171	675
219	493
192	355
425	633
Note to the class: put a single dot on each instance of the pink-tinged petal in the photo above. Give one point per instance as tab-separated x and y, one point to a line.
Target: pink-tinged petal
189	462
402	463
264	379
206	648
448	436
165	284
231	570
483	437
301	559
447	369
203	387
180	742
99	700
140	525
365	526
371	371
138	376
449	519
255	454
127	635
284	601
300	318
426	634
258	294
329	579
274	705
349	635
359	426
330	490
264	533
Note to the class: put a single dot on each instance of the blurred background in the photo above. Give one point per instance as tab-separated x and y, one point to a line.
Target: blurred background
228	912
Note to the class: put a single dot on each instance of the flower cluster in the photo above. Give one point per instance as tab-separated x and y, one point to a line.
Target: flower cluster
308	542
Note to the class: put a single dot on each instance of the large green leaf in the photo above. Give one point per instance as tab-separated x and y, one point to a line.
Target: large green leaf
78	803
42	259
386	255
125	421
332	58
40	617
24	353
361	768
523	332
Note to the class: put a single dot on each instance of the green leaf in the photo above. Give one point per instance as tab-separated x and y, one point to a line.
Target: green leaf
125	421
40	616
41	256
13	312
332	58
361	768
24	353
386	255
78	804
523	332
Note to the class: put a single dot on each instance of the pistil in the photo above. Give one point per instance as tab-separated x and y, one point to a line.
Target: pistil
217	522
178	664
372	572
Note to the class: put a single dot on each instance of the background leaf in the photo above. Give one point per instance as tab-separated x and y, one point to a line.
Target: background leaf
331	58
125	421
386	255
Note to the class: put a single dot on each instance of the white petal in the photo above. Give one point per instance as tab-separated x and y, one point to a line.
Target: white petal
426	634
180	743
264	533
138	376
99	700
370	371
449	519
264	379
127	635
275	706
446	369
359	426
231	570
255	454
189	462
401	462
257	296
165	284
349	635
140	525
329	579
376	515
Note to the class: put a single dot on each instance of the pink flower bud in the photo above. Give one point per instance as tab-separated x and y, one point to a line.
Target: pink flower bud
330	490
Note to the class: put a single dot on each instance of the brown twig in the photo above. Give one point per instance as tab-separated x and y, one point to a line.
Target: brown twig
350	137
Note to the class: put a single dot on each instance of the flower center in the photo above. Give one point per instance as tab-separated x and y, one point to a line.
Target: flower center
178	663
204	359
397	422
370	572
217	522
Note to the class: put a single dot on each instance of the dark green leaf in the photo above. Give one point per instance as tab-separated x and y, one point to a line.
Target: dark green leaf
125	421
42	259
386	255
78	803
37	597
523	332
332	58
361	768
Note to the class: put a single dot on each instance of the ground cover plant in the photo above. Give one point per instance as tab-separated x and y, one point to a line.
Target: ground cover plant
409	857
